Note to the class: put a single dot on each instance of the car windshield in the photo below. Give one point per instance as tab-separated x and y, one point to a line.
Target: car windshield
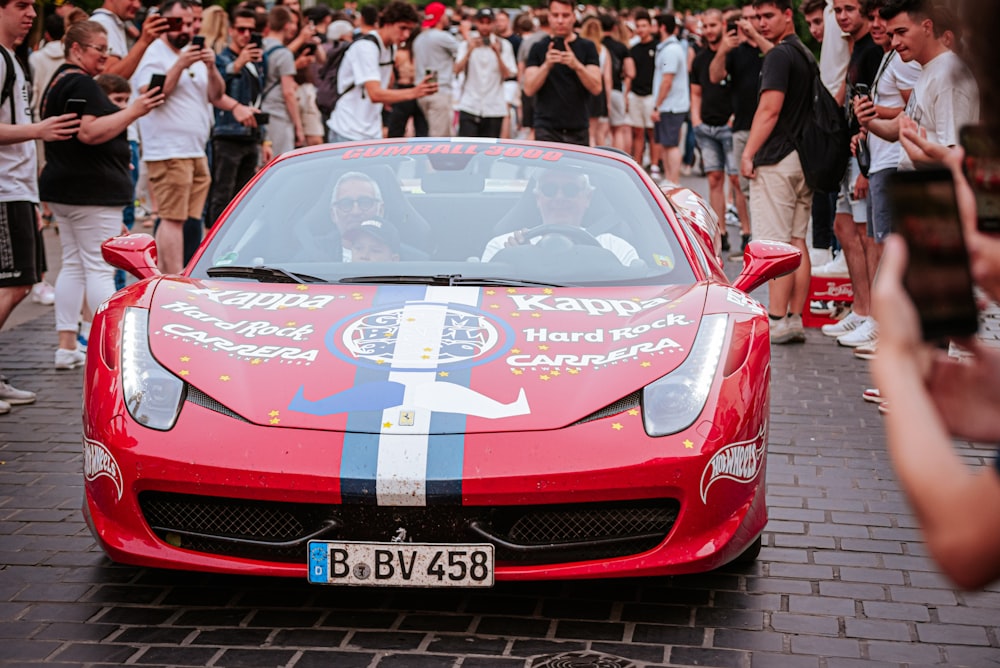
448	212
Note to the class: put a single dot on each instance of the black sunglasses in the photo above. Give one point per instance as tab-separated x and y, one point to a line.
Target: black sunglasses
346	204
552	189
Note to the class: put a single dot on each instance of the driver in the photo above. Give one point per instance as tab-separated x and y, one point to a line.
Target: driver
563	198
356	198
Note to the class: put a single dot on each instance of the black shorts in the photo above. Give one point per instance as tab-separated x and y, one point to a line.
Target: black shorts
668	129
527	111
22	251
581	136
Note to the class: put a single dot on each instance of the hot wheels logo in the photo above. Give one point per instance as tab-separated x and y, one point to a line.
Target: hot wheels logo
739	461
99	462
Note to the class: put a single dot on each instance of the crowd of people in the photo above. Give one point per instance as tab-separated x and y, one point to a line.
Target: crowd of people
197	99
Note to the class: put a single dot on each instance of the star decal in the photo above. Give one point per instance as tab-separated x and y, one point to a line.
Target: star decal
688	444
572	372
411	320
547	291
443	374
543	347
275	420
358	298
425	357
273	414
515	314
224	378
543	377
515	351
379	361
536	315
427	350
185	358
633	411
290	323
617	426
184	372
494	305
387	335
387	425
554	372
511	291
356	294
636	299
647	364
301	288
491	292
516	372
255	361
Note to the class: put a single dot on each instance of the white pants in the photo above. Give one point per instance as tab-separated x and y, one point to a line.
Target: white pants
82	230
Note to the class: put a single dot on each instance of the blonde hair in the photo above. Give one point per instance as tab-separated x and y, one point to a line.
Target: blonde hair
81	33
591	29
215	28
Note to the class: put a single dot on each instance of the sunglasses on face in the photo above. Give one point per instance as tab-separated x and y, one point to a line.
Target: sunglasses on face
346	204
243	29
553	189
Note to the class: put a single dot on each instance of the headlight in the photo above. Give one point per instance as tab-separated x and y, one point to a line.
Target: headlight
673	402
153	395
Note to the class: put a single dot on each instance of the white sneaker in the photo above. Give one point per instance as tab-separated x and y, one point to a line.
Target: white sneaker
835	268
867	351
12	396
69	359
848	324
819	256
43	293
795	329
865	333
785	331
4	408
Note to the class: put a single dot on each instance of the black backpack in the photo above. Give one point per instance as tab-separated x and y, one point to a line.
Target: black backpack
9	79
327	92
823	141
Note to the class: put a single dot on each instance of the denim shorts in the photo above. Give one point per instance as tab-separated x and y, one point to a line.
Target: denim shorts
857	208
668	129
879	210
716	144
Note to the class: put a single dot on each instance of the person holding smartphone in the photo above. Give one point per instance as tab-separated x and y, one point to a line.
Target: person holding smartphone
936	398
563	71
86	179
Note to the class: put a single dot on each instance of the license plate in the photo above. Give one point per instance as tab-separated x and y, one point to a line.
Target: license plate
401	564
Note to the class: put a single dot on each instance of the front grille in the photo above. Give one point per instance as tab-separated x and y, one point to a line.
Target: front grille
620	406
278	531
196	396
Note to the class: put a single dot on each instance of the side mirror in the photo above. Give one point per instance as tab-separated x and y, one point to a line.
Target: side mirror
764	260
135	253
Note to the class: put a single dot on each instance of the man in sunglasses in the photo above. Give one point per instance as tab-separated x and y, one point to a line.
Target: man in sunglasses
563	198
356	199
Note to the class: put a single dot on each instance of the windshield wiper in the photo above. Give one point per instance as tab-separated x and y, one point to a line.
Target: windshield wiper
450	279
262	274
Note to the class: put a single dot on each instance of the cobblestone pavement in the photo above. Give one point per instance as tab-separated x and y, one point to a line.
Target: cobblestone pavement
843	579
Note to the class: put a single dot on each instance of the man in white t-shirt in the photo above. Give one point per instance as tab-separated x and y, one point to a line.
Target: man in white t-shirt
175	134
113	15
945	96
562	198
671	95
363	77
21	245
487	60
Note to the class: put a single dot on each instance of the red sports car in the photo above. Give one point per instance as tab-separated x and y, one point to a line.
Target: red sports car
435	363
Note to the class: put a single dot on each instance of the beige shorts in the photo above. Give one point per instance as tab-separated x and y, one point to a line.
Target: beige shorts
179	186
780	201
640	111
616	109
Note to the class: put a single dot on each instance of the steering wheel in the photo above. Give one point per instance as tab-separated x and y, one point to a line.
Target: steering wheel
574	234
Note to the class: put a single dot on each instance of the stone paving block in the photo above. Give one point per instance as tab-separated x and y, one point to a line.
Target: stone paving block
902	611
785	622
668	635
703	656
466	644
829	647
254	658
384	640
952	634
633	651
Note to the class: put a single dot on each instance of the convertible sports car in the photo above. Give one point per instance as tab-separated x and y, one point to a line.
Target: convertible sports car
435	363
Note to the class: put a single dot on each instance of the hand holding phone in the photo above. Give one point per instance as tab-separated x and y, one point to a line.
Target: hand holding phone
559	43
257	40
731	26
198	41
75	106
157	81
431	76
174	23
937	278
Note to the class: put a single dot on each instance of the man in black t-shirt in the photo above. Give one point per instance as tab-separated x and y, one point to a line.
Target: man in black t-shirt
639	92
850	224
780	198
562	73
711	108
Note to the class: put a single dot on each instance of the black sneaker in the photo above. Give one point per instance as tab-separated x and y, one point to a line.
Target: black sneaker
746	240
725	243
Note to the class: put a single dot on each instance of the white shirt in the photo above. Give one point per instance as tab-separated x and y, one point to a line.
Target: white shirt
944	99
835	52
896	77
117	46
671	58
356	116
483	92
622	249
180	127
18	162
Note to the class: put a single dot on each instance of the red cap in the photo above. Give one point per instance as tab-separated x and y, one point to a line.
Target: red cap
433	13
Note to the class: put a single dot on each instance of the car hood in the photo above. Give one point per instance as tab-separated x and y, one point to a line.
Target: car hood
418	359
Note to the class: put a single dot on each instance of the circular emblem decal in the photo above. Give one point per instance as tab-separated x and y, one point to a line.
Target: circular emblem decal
419	336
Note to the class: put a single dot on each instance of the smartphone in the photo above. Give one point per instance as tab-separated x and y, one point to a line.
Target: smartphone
731	26
174	23
862	90
432	74
262	117
198	41
982	169
75	106
559	43
308	49
938	278
257	39
157	81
